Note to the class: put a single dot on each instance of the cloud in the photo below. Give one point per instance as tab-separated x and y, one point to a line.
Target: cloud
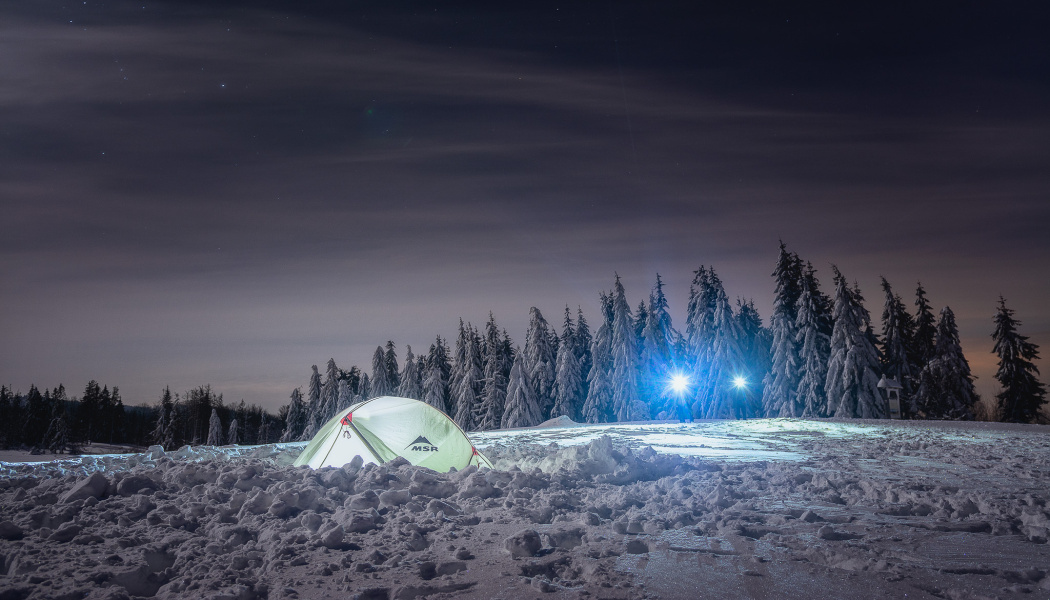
254	182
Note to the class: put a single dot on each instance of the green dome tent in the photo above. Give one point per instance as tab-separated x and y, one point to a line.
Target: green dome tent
381	429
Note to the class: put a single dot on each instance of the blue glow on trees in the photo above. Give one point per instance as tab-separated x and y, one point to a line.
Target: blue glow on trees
679	383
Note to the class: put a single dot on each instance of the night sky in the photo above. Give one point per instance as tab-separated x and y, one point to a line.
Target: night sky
227	193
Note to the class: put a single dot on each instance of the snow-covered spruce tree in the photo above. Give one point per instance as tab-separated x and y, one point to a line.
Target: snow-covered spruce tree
346	396
465	392
507	351
214	429
853	369
898	333
160	430
1022	393
583	347
176	425
366	388
539	360
435	379
87	420
392	372
456	365
489	411
568	382
725	400
411	386
313	406
296	419
567	339
641	317
781	384
700	336
380	380
522	409
945	384
597	408
57	438
813	339
627	405
329	397
657	359
924	343
263	434
756	342
233	434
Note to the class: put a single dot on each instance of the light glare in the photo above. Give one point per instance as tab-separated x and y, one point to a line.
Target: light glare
739	382
679	383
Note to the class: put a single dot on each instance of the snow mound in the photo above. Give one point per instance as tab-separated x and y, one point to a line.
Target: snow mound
864	510
562	421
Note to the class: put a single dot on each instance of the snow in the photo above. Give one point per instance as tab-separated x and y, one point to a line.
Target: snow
777	508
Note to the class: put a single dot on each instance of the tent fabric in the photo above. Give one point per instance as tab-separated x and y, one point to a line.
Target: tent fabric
384	428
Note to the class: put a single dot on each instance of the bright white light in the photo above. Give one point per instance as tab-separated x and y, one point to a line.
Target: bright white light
739	382
679	383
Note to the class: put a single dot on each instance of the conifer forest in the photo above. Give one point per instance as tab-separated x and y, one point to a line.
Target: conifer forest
819	354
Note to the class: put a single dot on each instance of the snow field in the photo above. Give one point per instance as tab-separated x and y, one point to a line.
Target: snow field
829	509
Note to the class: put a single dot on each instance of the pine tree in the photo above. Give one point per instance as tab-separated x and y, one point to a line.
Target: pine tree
583	347
852	383
459	358
214	429
113	416
233	435
353	381
781	385
1022	393
164	415
262	436
898	332
597	408
381	384
411	386
724	400
700	336
945	384
7	417
489	411
313	406
539	360
506	353
641	317
813	339
346	396
435	380
329	402
466	389
393	373
38	417
755	342
522	408
568	380
176	435
657	359
924	344
57	438
89	413
296	419
627	406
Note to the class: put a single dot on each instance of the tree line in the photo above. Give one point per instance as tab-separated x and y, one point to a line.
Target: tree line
55	422
819	356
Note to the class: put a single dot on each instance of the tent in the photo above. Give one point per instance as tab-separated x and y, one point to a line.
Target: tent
381	429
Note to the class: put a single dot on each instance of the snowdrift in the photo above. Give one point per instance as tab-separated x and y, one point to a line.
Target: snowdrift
859	510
